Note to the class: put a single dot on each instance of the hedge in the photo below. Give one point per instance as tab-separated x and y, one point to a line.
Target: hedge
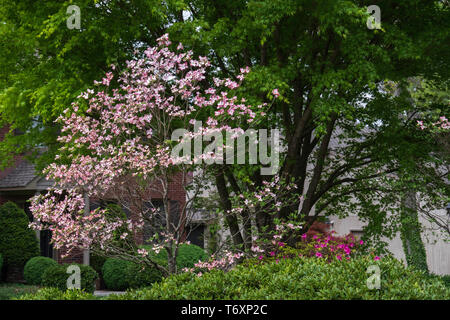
298	279
18	242
56	294
35	268
56	276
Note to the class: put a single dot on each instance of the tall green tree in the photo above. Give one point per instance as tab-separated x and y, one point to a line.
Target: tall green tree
344	138
45	65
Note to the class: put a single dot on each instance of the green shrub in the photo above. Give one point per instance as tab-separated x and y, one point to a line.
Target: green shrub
35	268
298	279
114	273
56	294
138	277
188	255
444	278
121	275
56	276
18	242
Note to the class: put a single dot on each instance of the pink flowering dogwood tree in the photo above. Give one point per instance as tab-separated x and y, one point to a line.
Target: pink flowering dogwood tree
117	147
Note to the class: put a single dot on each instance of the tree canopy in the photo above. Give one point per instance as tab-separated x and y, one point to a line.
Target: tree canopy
346	135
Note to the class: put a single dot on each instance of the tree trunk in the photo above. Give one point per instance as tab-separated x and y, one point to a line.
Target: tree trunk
413	246
230	218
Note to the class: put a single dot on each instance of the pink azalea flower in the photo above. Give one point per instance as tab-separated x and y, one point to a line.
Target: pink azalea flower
275	93
377	258
318	255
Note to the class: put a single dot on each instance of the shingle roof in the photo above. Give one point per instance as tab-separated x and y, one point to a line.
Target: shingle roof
22	175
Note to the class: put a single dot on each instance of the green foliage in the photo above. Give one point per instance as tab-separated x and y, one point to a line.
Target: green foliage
39	33
96	262
188	254
18	243
121	275
56	276
299	279
10	291
114	273
319	54
35	268
57	294
1	266
410	234
444	278
138	276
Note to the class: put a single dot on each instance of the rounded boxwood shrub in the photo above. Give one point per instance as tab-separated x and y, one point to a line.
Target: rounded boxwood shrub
121	275
18	242
35	268
56	277
188	255
298	279
138	277
114	273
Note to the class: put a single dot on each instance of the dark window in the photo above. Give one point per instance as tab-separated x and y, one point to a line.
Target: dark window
196	234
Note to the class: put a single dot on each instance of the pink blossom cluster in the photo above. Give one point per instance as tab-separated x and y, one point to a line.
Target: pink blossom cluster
225	262
443	124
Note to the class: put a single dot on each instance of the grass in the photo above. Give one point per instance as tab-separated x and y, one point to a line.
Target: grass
15	290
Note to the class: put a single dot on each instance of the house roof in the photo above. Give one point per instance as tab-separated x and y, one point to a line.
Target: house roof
21	176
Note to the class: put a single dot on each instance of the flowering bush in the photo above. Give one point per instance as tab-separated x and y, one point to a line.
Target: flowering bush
317	243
